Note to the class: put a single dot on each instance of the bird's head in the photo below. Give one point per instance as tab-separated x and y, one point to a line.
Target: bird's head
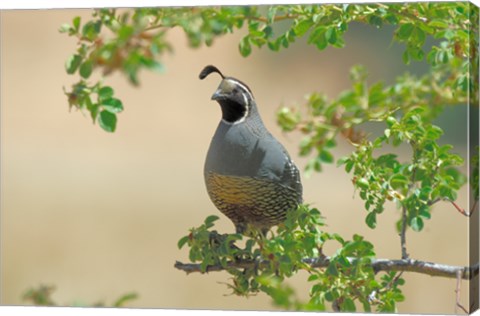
234	96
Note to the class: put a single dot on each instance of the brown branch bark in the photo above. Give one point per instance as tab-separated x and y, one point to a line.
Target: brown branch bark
407	265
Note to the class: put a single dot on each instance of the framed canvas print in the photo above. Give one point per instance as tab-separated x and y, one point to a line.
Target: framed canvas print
316	157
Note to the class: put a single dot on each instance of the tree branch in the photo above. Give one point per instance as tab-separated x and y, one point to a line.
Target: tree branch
403	234
457	296
457	207
462	211
408	265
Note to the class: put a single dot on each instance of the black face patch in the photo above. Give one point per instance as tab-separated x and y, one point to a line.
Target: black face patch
232	111
234	98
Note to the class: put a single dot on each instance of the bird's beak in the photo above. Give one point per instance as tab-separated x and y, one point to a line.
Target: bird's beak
218	95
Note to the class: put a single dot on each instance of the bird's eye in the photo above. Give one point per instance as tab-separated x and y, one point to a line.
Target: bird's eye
235	90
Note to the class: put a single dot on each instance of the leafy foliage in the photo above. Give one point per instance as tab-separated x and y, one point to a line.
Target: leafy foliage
475	178
136	41
128	41
429	177
42	296
348	278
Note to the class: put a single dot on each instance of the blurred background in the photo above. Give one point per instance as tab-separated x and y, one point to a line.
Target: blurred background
98	215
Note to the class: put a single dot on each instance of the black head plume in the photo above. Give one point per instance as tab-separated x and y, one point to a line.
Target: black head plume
208	70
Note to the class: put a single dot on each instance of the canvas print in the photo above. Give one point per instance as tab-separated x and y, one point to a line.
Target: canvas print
302	157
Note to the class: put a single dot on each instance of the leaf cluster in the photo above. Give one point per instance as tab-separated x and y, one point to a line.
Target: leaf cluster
131	40
128	41
451	80
431	174
323	120
42	296
474	177
347	279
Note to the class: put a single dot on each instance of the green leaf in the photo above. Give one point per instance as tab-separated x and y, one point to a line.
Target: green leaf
387	132
182	241
362	183
105	93
91	29
124	299
125	32
317	37
302	27
245	47
438	23
86	69
375	94
112	105
326	156
76	23
72	63
349	165
329	296
272	11
406	57
92	107
371	220
331	143
433	132
404	31
343	160
416	223
107	121
416	53
424	212
331	35
418	36
348	305
306	146
152	64
332	269
391	121
65	28
375	21
274	45
447	192
398	181
210	220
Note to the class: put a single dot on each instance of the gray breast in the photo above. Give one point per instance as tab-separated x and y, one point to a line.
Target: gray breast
249	150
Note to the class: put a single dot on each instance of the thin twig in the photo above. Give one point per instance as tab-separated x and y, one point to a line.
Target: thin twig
432	202
457	292
156	26
407	265
395	280
462	210
411	187
275	19
457	207
403	233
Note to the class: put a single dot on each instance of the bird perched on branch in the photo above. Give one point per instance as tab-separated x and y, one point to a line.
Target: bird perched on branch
248	174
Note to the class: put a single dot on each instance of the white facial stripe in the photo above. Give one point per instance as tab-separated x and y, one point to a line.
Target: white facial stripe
236	122
245	99
241	86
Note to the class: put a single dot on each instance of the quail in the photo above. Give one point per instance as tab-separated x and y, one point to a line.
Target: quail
249	175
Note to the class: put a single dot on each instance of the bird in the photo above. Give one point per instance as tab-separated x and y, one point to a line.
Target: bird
249	175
